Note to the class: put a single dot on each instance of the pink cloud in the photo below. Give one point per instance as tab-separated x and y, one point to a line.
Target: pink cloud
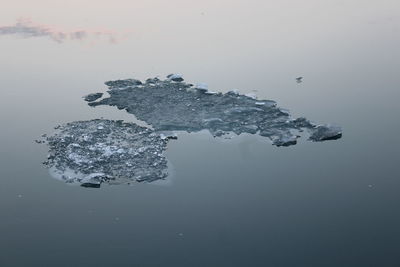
26	28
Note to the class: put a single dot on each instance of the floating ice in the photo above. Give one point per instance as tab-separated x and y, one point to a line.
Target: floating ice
175	77
326	132
92	97
168	135
201	86
123	84
251	95
93	152
171	106
234	91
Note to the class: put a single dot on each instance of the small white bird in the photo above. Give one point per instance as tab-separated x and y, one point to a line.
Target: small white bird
299	79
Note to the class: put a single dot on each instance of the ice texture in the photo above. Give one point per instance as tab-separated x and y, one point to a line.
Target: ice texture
202	86
169	105
175	77
92	97
326	132
121	84
93	152
90	153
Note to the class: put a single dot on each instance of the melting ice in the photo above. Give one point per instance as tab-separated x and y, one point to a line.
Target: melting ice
103	151
93	152
172	105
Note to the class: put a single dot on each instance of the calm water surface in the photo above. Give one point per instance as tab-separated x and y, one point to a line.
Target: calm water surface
239	202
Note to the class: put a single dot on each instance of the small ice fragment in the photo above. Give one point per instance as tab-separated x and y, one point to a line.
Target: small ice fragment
284	140
211	92
284	111
175	77
201	86
251	95
326	132
93	175
165	136
92	97
122	84
260	103
152	80
234	91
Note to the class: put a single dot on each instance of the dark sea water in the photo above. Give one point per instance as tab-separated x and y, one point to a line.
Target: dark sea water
239	202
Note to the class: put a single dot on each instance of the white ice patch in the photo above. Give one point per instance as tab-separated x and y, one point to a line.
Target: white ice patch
211	92
201	86
251	95
175	76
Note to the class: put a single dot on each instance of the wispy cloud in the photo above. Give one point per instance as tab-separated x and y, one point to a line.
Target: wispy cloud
26	28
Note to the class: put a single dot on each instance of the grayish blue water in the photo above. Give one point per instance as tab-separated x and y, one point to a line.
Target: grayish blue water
239	202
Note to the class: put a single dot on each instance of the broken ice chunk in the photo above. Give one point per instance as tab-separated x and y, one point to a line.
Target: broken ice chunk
201	86
92	97
284	111
302	123
210	92
175	77
234	92
94	180
284	140
152	80
251	95
326	132
122	84
168	135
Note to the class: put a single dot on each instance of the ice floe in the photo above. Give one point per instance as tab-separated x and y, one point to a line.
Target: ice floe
171	106
94	152
119	152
